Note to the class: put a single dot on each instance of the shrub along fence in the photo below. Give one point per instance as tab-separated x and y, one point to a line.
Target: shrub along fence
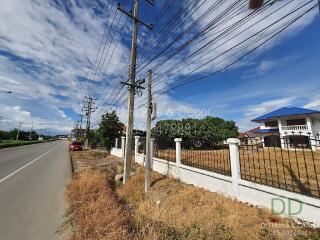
254	173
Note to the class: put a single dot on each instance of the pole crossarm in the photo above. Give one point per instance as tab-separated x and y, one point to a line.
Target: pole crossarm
129	14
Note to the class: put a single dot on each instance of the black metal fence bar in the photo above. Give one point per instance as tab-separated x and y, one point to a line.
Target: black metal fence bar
291	162
142	145
164	149
215	159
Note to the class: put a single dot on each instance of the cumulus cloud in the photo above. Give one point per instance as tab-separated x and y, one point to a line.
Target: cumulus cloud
48	48
313	104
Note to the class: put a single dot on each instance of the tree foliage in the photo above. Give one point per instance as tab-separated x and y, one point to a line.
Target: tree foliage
110	128
195	132
23	135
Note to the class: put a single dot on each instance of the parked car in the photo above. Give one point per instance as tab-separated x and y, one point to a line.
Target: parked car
75	146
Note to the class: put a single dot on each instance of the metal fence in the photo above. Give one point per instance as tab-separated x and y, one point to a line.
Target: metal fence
142	145
164	149
289	162
215	158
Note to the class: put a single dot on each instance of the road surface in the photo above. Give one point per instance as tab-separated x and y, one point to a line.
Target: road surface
32	184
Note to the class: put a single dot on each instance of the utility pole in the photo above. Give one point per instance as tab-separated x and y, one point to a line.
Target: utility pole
30	135
89	109
81	115
19	126
77	130
131	84
147	169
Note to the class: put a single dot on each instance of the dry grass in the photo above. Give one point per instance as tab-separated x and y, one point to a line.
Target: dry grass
174	210
91	154
94	209
297	171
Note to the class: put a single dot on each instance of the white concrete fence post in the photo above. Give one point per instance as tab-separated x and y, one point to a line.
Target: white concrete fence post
136	145
123	144
178	154
151	153
117	142
235	164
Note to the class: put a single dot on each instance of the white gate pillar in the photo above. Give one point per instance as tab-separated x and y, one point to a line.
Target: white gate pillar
136	144
235	164
178	154
123	144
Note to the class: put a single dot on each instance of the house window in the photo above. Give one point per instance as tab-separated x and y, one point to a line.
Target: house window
271	124
296	122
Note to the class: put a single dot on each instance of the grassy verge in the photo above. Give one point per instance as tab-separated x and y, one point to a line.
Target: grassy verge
174	210
94	210
100	209
13	143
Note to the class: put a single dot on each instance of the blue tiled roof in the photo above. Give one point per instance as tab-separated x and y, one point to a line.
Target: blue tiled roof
267	131
285	111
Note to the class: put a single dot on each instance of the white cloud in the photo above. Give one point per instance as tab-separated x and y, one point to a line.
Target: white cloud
313	104
50	48
268	106
253	111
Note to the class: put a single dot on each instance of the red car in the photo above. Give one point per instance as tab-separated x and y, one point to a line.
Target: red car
76	146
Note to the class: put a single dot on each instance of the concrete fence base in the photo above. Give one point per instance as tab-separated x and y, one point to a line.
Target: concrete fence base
279	201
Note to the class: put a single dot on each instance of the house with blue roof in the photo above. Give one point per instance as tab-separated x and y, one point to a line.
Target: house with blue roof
290	127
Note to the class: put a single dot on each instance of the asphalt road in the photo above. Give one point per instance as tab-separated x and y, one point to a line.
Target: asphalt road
32	184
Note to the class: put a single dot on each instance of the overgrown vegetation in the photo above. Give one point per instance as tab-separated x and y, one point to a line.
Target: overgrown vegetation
94	209
174	210
101	209
109	129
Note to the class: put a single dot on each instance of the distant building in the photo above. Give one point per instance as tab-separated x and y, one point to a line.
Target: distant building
289	127
249	137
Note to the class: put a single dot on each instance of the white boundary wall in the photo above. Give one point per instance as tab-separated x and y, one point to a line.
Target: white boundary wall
288	203
116	152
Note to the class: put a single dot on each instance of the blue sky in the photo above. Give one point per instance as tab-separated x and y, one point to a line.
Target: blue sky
48	47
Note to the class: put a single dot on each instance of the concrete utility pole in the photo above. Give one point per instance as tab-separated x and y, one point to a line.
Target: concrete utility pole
81	115
147	169
131	85
19	126
30	135
89	109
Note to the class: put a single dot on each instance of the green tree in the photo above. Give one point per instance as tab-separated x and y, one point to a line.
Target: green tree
195	133
94	138
110	128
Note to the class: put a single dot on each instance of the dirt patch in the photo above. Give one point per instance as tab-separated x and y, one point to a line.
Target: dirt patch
94	158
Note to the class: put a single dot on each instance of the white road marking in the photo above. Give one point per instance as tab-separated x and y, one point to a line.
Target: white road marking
33	161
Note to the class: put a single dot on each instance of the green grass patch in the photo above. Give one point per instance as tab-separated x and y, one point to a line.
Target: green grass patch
13	143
